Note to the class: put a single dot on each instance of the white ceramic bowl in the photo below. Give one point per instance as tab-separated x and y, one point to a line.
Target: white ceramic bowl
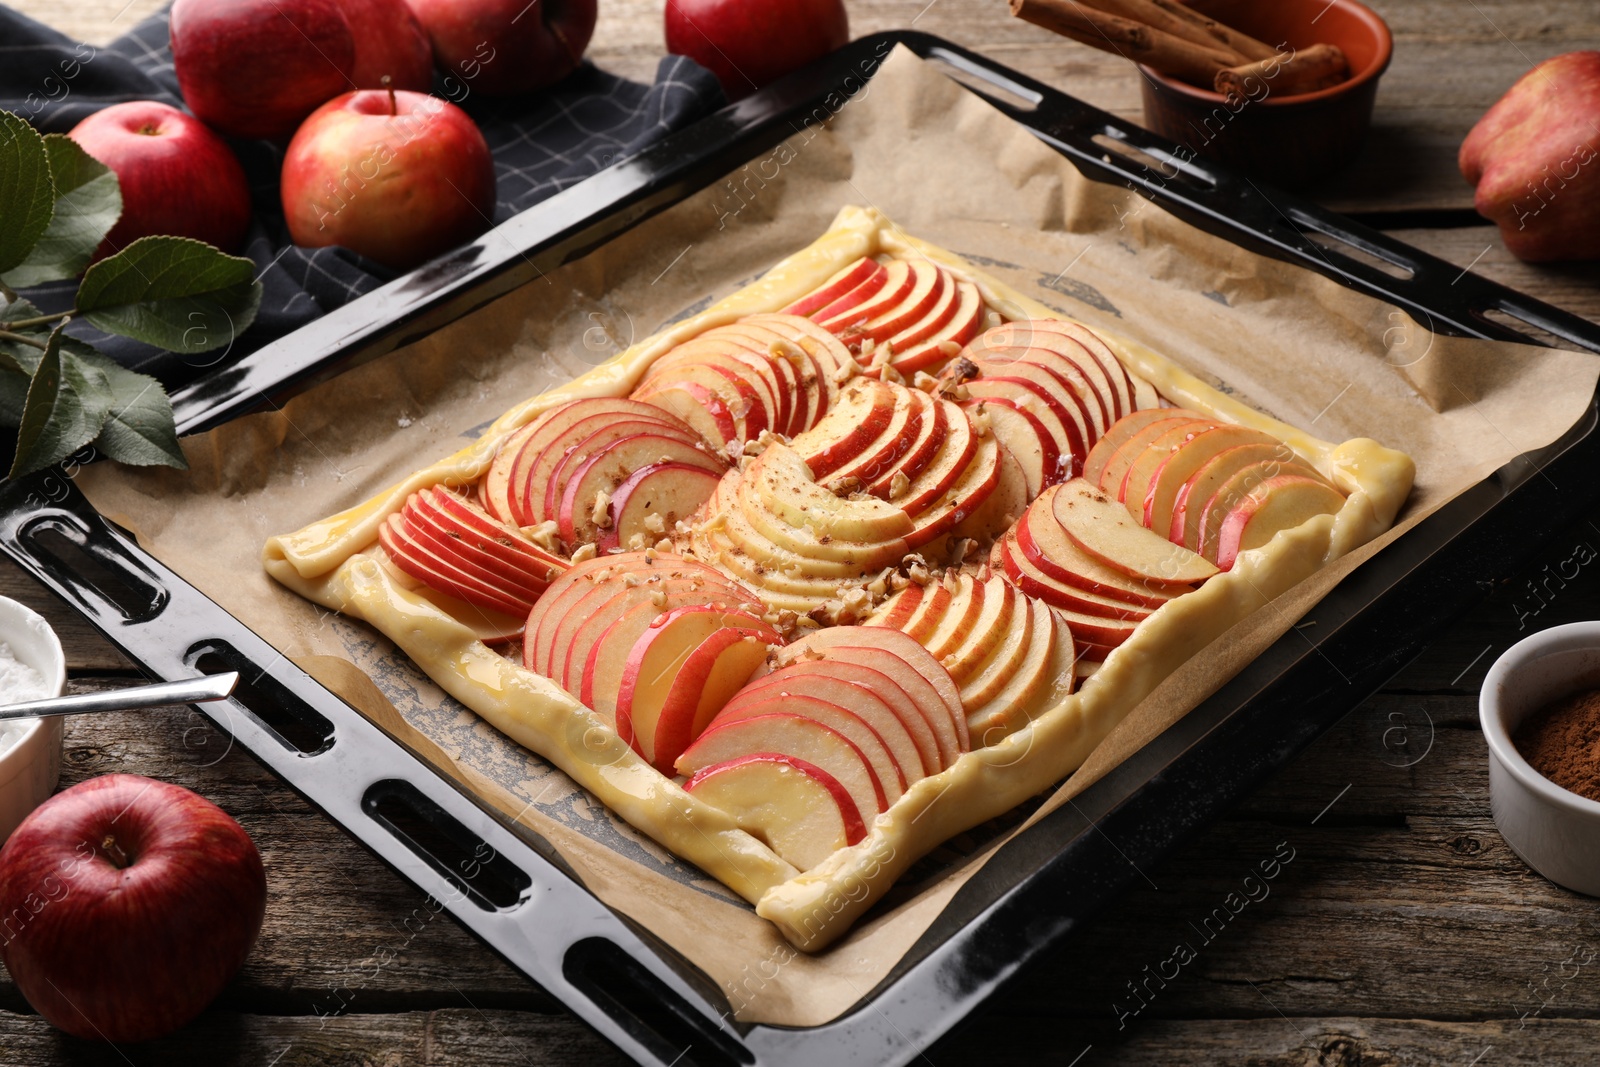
30	768
1555	831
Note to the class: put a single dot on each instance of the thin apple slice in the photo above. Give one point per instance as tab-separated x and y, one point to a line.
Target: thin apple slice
841	283
862	721
494	490
1064	425
898	611
1154	506
677	657
742	348
538	494
553	425
700	407
1117	467
1081	346
899	656
1104	529
651	501
884	284
585	499
502	546
847	312
865	409
1042	679
418	560
1043	542
782	482
948	618
791	735
956	453
1130	491
1034	581
964	325
882	455
965	640
822	678
958	510
931	301
1060	376
988	667
1277	504
800	811
932	426
1124	430
1235	490
1024	436
825	354
803	550
1189	509
520	587
748	390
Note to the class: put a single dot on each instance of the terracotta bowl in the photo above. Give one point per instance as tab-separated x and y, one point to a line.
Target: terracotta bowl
1286	140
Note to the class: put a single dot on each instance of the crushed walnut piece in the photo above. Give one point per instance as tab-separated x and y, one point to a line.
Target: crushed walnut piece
926	382
600	514
655	523
584	552
898	484
547	535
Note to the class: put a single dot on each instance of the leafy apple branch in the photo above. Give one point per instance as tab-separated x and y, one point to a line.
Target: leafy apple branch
57	392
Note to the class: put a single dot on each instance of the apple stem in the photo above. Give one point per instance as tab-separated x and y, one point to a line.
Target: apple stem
114	852
388	83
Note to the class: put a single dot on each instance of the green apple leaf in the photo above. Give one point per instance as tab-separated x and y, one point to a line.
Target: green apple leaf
67	404
18	355
13	396
172	292
88	203
139	428
26	192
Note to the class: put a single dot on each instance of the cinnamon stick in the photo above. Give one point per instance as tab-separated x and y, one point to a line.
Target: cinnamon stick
1172	55
1168	16
1227	36
1305	71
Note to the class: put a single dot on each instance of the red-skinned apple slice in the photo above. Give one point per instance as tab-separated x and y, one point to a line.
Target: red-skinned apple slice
803	550
899	656
1082	347
823	351
1235	490
856	307
1043	678
555	423
519	586
780	479
835	287
494	491
1117	466
791	735
1034	581
417	560
1055	376
700	407
793	371
823	677
957	510
935	602
747	391
929	285
880	457
1126	427
1161	495
979	613
861	722
932	424
863	412
876	286
1105	530
1025	437
1064	425
955	455
932	321
1189	509
453	516
800	811
964	324
1280	503
608	468
668	491
1130	492
1043	542
538	496
672	676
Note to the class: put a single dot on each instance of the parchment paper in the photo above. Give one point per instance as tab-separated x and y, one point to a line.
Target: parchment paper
947	167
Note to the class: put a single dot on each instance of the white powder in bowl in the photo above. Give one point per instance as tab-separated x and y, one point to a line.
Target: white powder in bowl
18	683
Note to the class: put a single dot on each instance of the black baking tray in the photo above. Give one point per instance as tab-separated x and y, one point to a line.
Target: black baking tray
514	892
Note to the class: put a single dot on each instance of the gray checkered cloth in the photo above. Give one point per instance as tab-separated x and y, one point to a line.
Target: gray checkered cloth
542	143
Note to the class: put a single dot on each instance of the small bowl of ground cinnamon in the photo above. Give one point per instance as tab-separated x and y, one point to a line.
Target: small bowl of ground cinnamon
1540	710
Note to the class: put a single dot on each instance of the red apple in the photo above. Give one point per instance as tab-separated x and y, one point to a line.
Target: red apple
128	903
503	47
177	177
1533	158
390	42
399	177
749	44
255	68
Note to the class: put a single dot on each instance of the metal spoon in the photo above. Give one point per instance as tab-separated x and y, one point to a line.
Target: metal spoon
189	691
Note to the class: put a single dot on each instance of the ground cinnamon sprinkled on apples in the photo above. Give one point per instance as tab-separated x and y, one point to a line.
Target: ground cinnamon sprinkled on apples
1562	742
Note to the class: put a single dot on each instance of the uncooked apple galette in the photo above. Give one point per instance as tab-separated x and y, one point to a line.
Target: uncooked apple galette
862	556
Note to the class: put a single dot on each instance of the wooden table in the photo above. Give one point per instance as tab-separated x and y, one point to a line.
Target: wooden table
1403	931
